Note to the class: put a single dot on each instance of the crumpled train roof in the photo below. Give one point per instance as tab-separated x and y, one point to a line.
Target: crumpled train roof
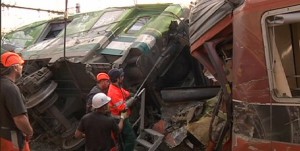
206	13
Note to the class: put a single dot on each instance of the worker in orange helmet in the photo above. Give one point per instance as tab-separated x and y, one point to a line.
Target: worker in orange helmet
15	128
102	85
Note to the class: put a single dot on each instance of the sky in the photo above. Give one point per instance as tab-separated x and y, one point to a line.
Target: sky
11	18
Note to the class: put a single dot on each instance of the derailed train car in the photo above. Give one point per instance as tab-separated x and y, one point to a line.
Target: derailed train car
252	48
150	42
30	34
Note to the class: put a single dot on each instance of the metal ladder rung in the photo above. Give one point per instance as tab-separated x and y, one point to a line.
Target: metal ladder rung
156	136
153	132
144	143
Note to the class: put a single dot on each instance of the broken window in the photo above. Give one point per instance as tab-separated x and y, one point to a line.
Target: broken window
107	19
82	23
52	30
26	36
283	51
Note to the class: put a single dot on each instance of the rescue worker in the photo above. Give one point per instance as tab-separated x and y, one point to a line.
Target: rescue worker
101	86
15	129
97	126
120	102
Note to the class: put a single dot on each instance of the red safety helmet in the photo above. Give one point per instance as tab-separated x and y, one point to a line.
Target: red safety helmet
102	76
10	58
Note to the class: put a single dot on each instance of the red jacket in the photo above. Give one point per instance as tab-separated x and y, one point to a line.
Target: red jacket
118	99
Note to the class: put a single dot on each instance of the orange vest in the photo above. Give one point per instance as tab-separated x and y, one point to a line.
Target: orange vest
118	99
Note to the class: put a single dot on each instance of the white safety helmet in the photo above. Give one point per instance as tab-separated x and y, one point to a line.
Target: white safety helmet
99	100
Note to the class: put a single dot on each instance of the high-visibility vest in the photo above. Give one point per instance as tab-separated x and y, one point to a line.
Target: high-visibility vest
118	99
6	145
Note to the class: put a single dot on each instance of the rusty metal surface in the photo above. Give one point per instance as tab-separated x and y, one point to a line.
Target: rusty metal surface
241	143
250	84
250	80
277	123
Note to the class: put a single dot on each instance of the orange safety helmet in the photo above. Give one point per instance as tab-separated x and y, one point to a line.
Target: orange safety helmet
10	58
102	76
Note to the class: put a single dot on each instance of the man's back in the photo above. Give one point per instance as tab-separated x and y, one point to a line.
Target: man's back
97	128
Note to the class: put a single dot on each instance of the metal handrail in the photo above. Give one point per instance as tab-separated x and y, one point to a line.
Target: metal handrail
141	118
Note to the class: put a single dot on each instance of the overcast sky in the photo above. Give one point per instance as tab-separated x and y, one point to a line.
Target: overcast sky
12	18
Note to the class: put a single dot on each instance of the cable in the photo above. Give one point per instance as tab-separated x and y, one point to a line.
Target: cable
29	8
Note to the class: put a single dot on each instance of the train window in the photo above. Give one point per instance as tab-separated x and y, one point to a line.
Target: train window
52	30
82	23
282	42
27	36
139	24
107	19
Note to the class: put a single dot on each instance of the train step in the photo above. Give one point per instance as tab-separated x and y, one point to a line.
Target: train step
155	136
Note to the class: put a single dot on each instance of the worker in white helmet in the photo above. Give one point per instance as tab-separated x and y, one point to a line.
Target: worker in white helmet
97	126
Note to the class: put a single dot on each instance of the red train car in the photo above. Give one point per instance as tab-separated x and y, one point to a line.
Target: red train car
252	47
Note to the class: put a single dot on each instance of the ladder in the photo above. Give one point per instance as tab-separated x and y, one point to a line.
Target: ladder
147	138
155	137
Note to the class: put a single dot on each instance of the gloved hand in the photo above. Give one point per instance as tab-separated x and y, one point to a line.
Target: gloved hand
130	101
124	115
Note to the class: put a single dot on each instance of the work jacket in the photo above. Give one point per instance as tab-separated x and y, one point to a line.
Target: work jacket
118	97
